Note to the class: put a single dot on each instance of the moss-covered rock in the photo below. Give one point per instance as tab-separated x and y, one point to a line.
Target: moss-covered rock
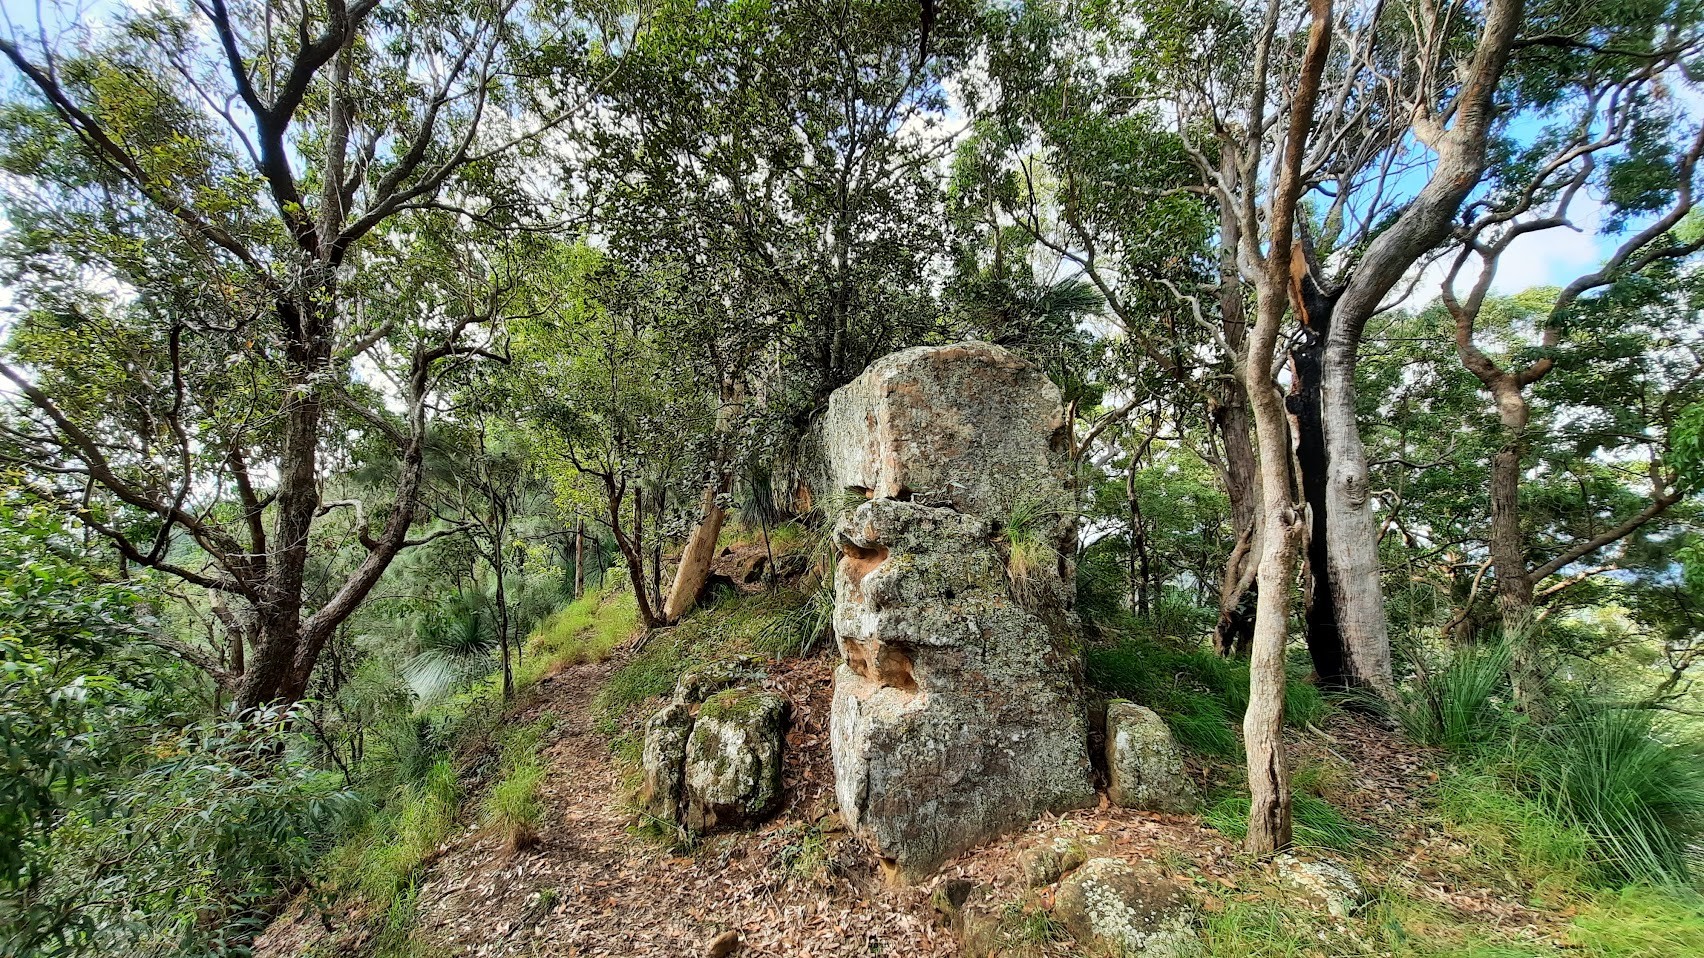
663	760
733	759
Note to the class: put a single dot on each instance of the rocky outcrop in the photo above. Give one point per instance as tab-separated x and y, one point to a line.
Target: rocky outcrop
1144	767
1121	910
958	710
712	756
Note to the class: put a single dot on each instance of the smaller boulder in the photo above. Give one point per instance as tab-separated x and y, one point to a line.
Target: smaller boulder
1144	766
1327	884
1110	905
663	760
733	759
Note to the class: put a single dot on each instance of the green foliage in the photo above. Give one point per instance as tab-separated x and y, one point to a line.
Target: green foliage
381	863
1617	775
1464	703
1202	696
1316	823
585	630
188	854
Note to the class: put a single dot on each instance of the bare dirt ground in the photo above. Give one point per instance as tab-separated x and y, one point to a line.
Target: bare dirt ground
593	886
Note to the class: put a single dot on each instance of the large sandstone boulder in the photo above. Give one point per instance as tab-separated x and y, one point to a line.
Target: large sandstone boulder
1144	767
712	756
958	709
1123	911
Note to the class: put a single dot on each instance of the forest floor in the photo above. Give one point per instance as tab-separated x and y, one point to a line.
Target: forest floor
1449	868
597	884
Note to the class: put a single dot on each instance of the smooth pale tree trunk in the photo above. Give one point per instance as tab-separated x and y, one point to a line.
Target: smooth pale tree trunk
700	550
1234	632
694	568
1263	723
1351	531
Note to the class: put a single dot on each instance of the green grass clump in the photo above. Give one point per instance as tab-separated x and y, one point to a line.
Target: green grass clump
383	861
1202	696
1641	922
1508	832
1460	705
1637	792
512	809
1315	822
585	630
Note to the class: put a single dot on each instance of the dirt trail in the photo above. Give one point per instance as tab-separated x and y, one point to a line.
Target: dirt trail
592	887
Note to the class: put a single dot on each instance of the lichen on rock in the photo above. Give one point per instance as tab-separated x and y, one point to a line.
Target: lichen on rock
958	709
1145	769
1127	912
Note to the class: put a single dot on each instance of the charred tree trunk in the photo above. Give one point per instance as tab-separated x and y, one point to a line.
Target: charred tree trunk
579	557
1237	584
1348	639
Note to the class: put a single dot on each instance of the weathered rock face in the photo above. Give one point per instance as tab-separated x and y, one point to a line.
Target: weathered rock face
713	758
958	709
1144	767
733	759
1126	911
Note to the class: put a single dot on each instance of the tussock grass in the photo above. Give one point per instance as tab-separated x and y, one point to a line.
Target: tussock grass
1616	775
1202	696
381	863
585	630
1461	704
512	809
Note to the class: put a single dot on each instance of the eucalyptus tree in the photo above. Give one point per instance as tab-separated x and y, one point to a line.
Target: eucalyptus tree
1618	146
1067	159
604	402
212	212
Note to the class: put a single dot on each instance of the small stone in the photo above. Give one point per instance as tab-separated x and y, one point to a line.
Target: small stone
724	944
1046	861
1326	883
733	759
1109	904
949	898
1144	766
